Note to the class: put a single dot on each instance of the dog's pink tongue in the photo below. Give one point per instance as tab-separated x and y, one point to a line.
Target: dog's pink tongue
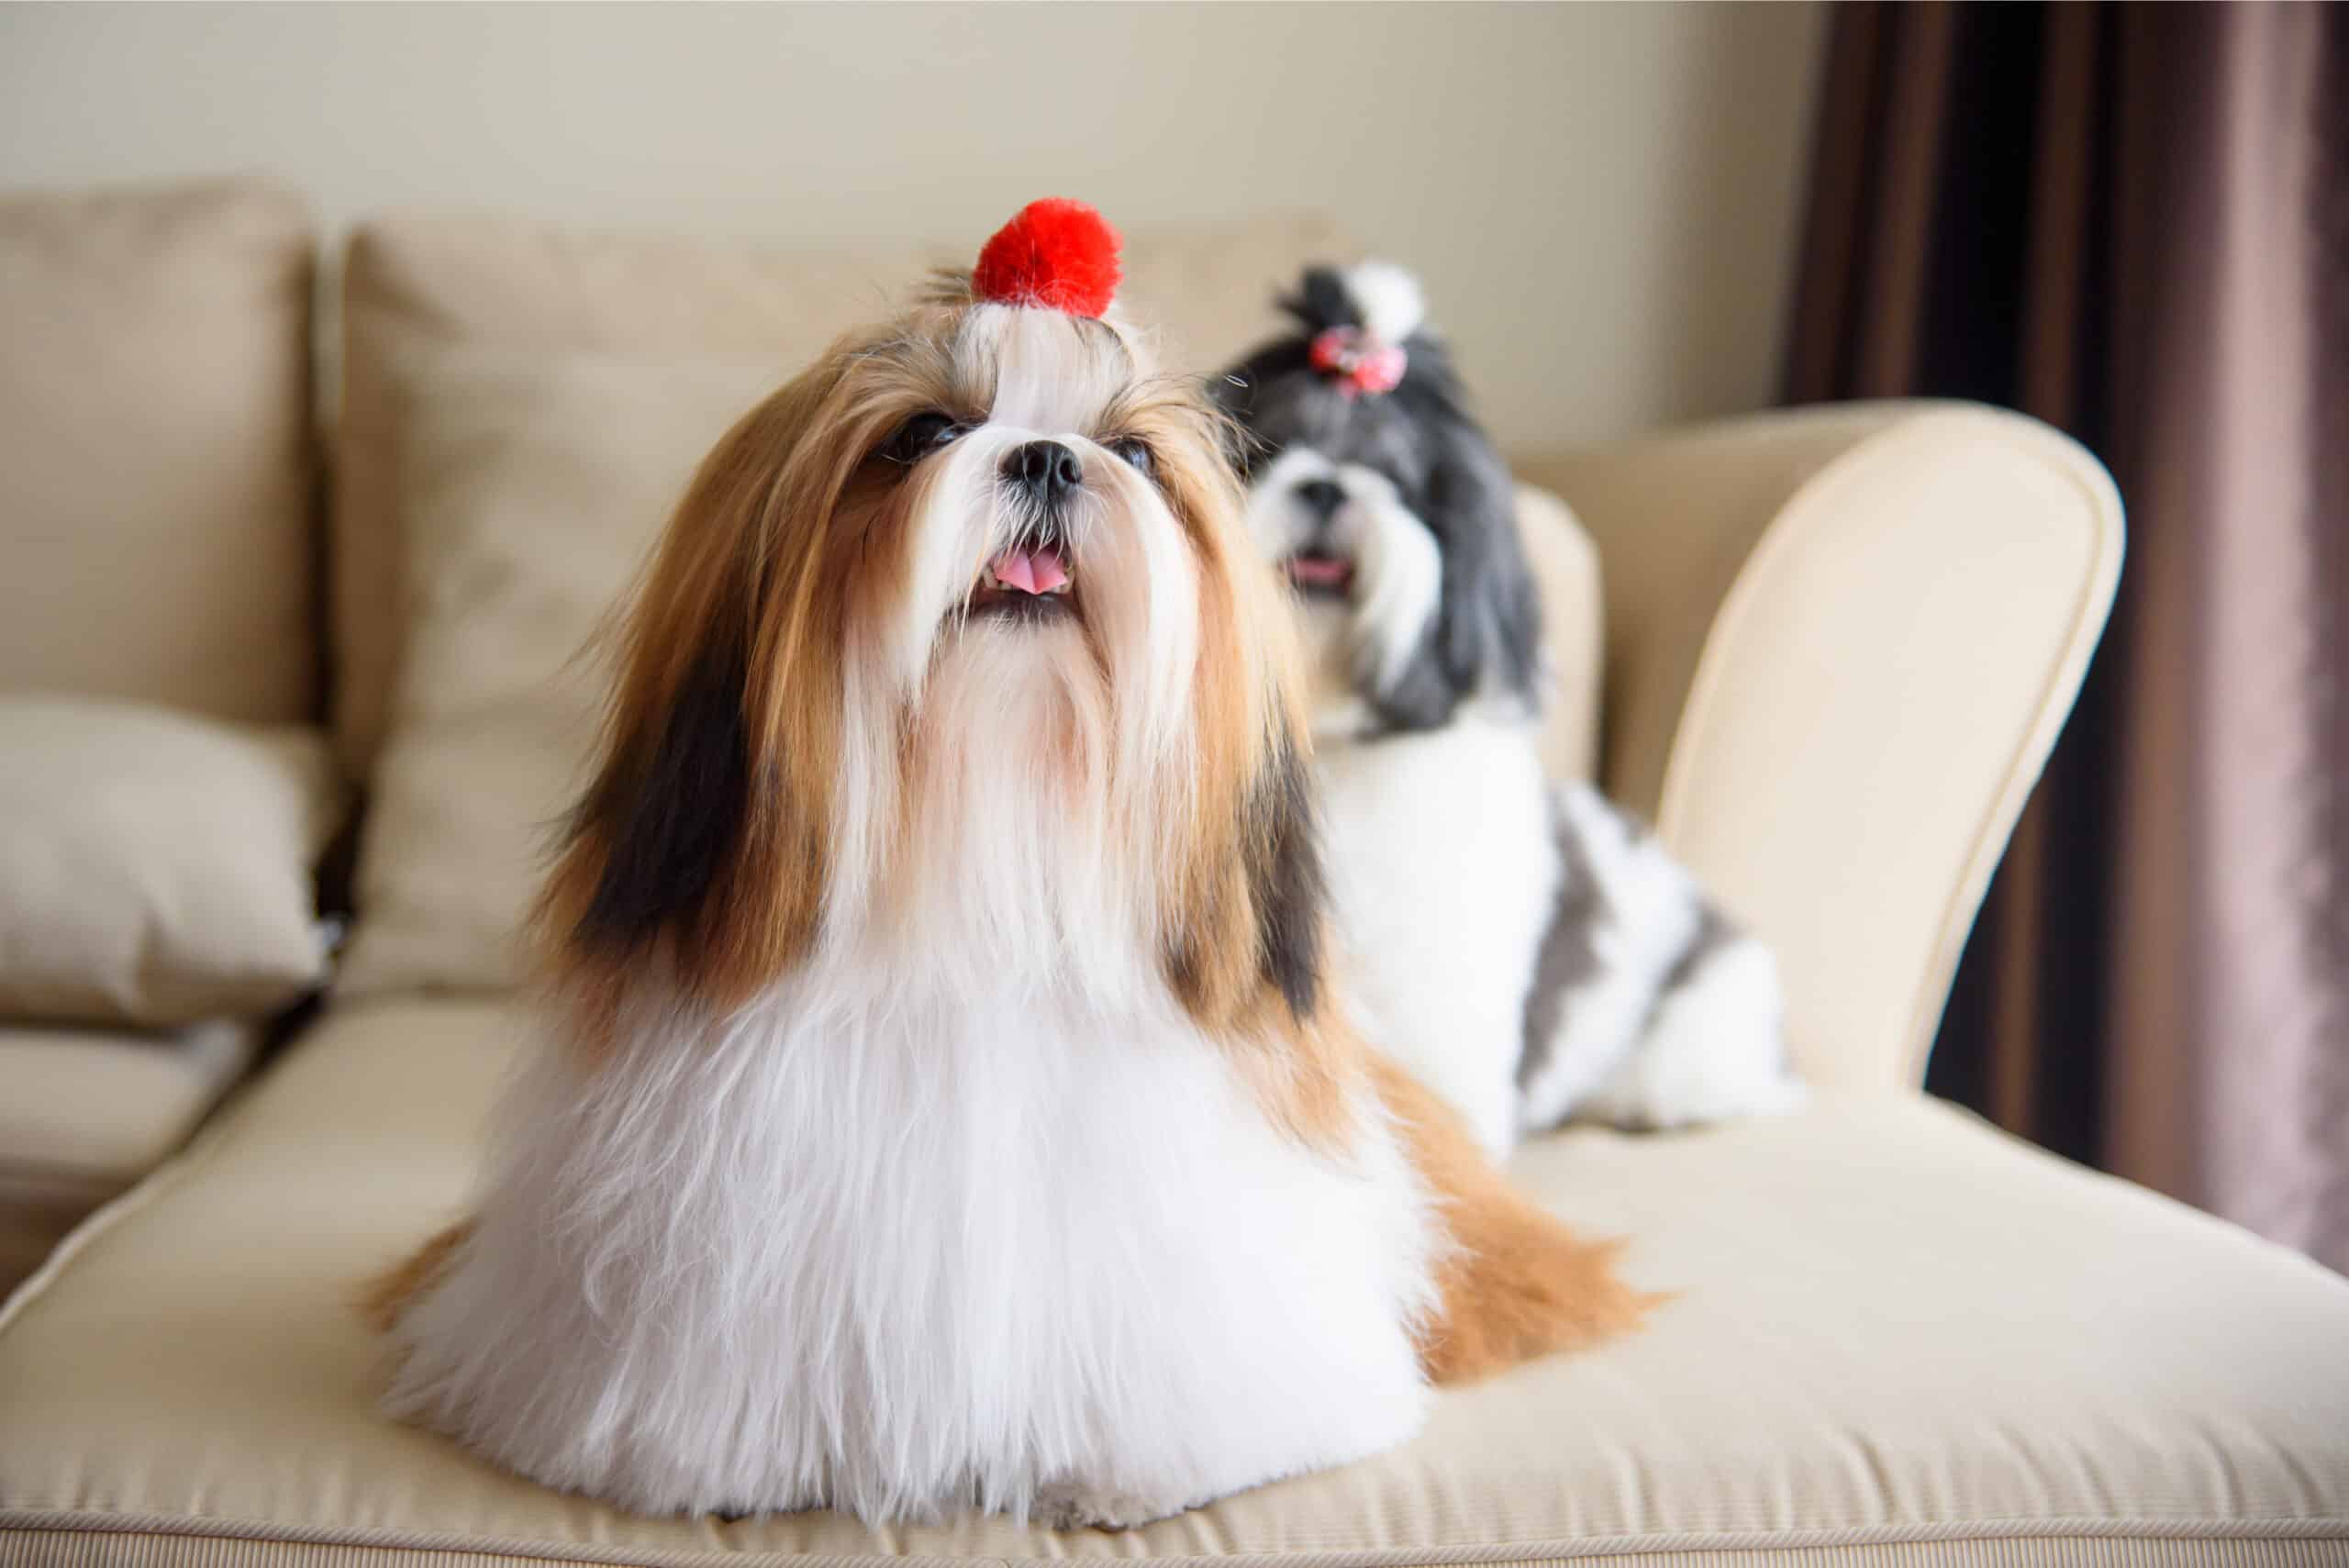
1030	571
1319	569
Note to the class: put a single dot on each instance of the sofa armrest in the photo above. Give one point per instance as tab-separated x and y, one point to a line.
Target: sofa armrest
1841	642
1564	564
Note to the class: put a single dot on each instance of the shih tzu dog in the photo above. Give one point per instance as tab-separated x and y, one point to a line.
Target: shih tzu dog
1522	949
945	1094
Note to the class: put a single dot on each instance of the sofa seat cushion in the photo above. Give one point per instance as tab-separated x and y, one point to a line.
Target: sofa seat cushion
84	1113
1900	1337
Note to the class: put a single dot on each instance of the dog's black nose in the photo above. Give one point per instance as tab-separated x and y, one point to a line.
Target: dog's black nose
1321	497
1047	471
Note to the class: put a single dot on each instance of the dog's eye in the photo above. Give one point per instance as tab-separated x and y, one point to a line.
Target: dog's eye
920	436
1135	451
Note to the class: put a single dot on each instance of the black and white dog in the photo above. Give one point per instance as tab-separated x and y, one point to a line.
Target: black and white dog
1523	947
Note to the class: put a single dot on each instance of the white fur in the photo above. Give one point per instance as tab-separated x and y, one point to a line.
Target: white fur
1442	871
1392	306
1399	574
966	1208
898	1249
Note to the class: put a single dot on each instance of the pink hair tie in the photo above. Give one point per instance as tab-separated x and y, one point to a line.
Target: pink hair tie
1359	362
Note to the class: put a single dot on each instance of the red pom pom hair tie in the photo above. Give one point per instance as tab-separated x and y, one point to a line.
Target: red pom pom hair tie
1055	254
1359	362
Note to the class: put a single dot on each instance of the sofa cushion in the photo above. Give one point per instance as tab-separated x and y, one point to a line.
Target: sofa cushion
154	866
88	1112
155	455
530	286
1901	1338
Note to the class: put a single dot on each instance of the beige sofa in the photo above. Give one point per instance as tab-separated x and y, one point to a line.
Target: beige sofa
1837	645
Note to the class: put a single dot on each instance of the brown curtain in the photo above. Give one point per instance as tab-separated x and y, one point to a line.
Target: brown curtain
2132	222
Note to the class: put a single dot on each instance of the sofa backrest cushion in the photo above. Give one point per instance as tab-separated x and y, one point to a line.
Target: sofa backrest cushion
156	468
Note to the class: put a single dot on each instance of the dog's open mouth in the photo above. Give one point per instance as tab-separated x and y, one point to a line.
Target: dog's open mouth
1034	577
1320	575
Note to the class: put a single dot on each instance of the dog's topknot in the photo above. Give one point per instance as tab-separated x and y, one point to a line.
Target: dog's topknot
1055	253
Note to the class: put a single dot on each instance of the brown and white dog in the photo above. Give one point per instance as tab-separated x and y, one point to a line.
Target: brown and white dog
942	1098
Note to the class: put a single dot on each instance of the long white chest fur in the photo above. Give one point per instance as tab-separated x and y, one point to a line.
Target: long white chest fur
897	1254
1444	871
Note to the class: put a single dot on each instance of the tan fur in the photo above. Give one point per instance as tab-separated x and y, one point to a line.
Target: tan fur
1299	1072
1519	1284
385	1298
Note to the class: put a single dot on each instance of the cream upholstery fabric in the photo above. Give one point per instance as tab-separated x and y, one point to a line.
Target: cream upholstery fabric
155	459
524	287
155	867
100	1106
37	1212
1841	643
1565	563
87	1112
1898	1329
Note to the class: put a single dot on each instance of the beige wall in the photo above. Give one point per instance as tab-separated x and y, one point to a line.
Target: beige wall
1601	197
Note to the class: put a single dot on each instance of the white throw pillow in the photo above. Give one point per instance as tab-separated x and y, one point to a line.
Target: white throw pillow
155	867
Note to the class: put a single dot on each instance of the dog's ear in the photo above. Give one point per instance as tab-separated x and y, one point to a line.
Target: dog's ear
667	809
700	844
1486	633
1284	876
1491	626
1248	934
